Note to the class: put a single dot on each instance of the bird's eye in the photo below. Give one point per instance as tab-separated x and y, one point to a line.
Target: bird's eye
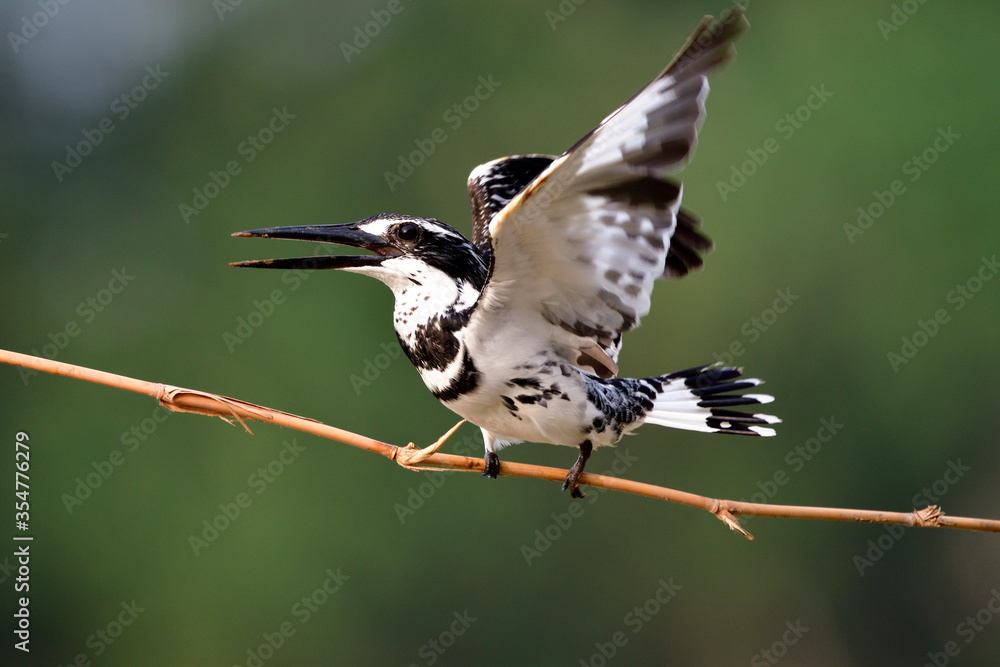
407	232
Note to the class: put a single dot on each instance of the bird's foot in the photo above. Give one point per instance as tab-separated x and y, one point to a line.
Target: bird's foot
411	456
572	481
492	465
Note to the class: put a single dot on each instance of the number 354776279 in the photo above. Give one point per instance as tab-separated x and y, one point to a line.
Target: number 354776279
22	462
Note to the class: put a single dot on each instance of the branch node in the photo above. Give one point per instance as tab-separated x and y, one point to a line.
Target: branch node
224	407
718	508
168	396
928	517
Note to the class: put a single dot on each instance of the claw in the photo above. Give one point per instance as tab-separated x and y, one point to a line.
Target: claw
415	456
492	465
572	481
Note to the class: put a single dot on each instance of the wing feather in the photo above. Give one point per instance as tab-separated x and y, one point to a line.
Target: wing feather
493	185
580	239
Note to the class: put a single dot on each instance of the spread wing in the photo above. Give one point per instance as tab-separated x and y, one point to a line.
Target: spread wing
493	185
581	243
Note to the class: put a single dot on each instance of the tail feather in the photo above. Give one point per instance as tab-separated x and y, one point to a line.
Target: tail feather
696	399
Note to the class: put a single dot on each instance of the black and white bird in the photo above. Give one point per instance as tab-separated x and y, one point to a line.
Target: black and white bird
519	330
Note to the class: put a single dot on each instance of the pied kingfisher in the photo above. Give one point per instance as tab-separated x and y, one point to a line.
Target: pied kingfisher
518	331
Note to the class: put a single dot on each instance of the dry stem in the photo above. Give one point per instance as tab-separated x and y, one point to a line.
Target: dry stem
203	403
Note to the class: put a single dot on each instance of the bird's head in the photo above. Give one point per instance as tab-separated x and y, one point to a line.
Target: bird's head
411	254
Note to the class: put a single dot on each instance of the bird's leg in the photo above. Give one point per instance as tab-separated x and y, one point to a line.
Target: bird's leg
421	455
573	476
492	461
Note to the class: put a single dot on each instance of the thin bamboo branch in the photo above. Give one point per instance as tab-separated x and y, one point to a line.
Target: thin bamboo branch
199	402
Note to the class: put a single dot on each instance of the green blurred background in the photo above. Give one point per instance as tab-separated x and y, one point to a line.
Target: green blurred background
409	581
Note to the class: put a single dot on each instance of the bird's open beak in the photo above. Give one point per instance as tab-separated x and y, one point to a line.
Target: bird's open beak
347	234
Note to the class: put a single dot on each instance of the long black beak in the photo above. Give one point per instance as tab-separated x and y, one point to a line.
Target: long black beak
348	234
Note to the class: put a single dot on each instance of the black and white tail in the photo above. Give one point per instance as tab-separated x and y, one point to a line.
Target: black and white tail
700	398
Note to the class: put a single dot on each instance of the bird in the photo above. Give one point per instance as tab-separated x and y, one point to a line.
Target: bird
518	331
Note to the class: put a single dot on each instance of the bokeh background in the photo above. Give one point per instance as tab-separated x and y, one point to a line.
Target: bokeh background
453	569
